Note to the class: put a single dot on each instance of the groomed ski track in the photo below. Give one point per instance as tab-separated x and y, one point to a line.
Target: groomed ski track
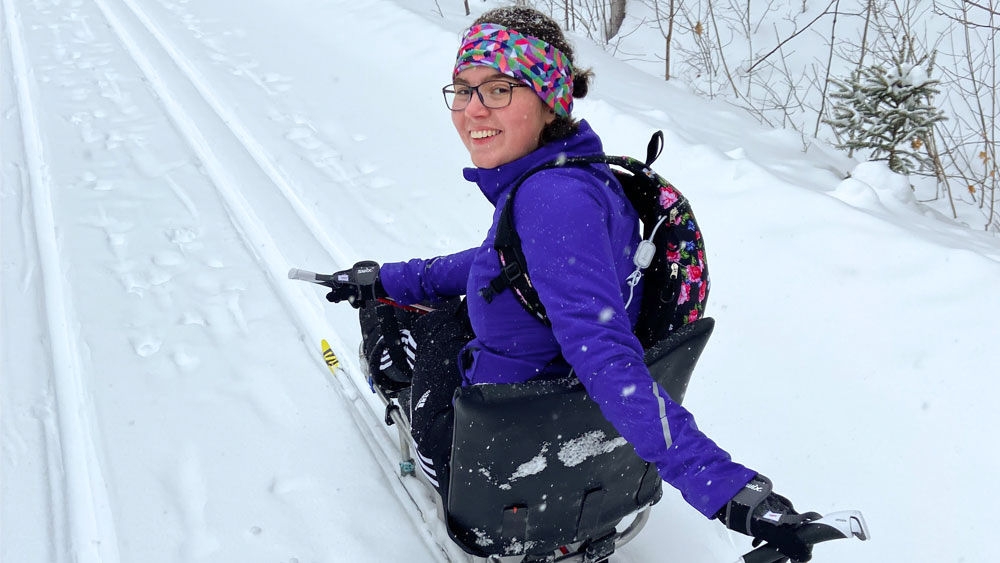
71	462
262	204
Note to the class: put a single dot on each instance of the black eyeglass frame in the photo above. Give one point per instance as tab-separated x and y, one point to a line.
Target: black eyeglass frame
454	94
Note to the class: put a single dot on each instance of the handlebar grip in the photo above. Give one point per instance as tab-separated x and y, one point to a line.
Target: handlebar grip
834	526
764	554
313	277
304	275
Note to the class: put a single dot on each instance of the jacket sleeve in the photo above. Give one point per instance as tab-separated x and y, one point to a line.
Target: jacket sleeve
564	227
432	280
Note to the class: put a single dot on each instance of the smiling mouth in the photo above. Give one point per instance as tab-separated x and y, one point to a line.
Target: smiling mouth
484	134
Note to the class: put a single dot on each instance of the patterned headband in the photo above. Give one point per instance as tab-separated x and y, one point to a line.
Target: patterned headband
529	59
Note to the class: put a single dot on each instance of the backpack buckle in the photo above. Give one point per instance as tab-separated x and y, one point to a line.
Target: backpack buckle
508	273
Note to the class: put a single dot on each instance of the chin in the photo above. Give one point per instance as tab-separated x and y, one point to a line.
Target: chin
485	161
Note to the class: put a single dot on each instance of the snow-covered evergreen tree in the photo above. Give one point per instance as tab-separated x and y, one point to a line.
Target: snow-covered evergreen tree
889	112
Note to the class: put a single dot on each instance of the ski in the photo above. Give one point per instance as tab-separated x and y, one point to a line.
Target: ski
329	357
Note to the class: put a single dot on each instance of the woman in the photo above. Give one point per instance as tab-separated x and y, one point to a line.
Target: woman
511	101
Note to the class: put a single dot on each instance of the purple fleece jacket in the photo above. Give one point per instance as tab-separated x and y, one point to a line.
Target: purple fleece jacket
578	234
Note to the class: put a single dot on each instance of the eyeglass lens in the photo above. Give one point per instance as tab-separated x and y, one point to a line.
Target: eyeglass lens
494	94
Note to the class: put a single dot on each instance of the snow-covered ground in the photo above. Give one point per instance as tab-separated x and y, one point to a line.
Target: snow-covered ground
162	397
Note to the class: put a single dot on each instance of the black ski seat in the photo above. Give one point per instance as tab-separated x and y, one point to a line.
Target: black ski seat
535	466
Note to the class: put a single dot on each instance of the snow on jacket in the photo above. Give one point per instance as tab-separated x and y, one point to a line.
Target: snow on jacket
578	234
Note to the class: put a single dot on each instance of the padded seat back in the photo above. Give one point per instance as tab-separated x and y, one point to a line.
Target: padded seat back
536	466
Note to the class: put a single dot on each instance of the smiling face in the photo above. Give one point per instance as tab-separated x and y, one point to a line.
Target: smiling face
498	136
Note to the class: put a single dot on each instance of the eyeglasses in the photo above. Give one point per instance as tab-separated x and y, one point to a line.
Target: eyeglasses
494	94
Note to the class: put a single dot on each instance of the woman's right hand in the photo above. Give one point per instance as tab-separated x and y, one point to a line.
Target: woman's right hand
357	285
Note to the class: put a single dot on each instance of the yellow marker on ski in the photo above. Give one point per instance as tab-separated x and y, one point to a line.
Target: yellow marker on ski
329	357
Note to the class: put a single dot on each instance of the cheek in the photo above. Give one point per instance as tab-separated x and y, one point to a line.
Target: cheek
535	122
458	121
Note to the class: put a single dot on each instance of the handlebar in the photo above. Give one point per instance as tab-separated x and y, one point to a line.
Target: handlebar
834	526
362	273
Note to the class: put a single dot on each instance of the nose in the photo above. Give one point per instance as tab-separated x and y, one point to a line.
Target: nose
476	105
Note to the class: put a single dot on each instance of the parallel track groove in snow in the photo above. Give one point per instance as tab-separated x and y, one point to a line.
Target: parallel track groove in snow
173	84
87	528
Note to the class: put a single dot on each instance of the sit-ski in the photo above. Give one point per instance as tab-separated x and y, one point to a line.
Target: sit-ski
539	475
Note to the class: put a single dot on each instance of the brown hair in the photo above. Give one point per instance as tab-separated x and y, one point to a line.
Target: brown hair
529	21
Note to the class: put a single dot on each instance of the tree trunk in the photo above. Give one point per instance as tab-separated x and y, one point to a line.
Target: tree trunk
669	37
616	19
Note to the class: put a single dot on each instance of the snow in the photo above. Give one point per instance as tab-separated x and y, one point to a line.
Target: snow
588	445
162	393
533	466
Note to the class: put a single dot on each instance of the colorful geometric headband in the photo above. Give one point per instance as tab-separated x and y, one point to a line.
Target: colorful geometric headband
529	59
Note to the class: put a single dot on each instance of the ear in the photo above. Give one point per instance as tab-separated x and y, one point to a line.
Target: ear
550	116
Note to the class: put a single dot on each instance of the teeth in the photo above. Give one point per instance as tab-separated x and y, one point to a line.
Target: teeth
483	134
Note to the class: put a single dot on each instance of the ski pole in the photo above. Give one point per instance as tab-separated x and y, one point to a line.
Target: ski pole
834	526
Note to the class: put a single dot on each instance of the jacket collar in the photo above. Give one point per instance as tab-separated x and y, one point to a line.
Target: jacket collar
494	182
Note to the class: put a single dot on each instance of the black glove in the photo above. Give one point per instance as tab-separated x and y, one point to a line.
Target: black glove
758	512
357	286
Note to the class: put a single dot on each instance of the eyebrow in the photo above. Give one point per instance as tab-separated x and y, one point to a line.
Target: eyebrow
494	76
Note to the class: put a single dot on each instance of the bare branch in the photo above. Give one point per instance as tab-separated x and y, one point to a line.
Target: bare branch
792	36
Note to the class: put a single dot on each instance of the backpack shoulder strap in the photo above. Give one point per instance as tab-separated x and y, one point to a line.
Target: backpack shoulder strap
640	184
507	243
513	264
